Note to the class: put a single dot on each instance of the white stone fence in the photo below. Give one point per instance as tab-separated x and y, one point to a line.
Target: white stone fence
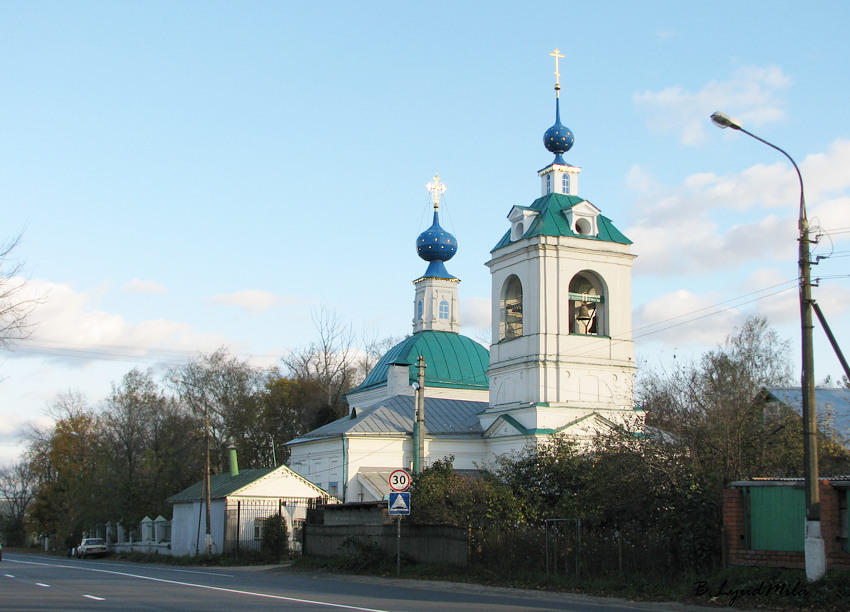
150	536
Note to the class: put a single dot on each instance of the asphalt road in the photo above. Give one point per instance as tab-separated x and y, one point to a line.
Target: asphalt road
41	582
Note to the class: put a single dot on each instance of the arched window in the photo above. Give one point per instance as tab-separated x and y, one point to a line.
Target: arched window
587	305
518	231
444	310
565	183
419	308
548	183
511	309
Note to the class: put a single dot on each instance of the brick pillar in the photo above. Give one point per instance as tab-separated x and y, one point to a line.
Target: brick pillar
734	540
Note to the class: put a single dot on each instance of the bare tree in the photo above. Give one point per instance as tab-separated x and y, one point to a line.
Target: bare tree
18	487
15	306
712	408
331	361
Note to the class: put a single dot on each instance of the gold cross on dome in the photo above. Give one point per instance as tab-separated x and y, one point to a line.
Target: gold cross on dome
437	189
557	54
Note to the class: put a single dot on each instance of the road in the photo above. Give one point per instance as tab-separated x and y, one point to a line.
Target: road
41	582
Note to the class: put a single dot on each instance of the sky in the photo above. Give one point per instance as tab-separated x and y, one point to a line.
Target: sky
192	175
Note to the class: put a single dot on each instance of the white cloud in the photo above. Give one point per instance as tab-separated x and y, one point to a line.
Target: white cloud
475	312
682	317
752	95
711	222
65	327
140	286
254	301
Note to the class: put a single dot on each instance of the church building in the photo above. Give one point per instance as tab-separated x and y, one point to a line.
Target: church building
562	358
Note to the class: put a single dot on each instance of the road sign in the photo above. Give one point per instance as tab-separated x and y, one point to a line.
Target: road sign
399	504
399	480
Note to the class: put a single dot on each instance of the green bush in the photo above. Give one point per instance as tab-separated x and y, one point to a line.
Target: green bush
275	537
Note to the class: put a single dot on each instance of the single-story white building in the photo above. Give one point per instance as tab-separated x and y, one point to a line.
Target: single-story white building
239	503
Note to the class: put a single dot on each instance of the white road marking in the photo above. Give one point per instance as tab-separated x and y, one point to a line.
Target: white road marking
95	598
204	586
9	576
41	584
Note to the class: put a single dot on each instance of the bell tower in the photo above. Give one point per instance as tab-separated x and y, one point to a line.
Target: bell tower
561	302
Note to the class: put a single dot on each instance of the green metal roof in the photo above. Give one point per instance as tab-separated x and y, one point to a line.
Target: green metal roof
451	360
551	221
221	485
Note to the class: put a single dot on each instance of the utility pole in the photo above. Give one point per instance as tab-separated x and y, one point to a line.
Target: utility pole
419	419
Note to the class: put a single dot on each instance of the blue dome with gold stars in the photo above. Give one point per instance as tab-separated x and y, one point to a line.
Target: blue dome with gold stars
558	139
435	243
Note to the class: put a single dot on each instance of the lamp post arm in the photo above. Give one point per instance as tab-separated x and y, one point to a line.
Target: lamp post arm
793	163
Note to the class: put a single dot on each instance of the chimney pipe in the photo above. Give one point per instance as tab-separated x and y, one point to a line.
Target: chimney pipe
234	462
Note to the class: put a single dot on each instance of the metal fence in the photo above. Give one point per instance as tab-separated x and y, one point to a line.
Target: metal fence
245	521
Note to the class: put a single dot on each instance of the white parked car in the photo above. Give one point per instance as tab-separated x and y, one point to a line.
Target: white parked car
92	547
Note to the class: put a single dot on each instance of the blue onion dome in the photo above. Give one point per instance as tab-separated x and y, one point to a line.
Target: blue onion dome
435	243
558	139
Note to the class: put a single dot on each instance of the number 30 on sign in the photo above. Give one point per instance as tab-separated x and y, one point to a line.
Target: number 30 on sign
399	480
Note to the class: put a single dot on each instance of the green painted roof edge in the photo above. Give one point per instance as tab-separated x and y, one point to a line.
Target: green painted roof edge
551	222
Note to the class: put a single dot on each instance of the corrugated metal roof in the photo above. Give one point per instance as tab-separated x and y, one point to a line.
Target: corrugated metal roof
221	485
451	360
395	416
833	405
553	222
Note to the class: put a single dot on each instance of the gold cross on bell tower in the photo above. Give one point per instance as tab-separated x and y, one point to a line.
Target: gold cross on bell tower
557	54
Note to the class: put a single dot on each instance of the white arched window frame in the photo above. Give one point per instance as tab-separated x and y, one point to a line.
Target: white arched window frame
444	309
588	305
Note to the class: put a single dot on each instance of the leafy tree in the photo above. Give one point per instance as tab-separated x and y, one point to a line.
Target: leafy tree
548	477
444	497
63	462
155	448
289	408
230	390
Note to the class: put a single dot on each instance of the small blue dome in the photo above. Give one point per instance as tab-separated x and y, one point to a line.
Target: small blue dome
558	139
435	243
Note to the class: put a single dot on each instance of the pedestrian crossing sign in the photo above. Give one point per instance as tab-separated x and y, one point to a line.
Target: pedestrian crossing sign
399	504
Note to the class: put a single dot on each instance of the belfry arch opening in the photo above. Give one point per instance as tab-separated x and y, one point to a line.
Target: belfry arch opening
588	305
510	309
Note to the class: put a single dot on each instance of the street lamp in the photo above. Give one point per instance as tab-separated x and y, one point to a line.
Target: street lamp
814	548
208	540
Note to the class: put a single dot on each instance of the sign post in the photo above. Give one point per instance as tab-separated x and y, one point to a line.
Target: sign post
398	506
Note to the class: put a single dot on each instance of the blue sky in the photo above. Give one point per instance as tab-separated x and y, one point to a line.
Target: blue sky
197	174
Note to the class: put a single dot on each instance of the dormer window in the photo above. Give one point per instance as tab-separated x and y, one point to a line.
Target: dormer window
583	219
521	219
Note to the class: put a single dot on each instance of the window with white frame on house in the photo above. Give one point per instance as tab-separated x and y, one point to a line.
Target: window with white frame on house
444	309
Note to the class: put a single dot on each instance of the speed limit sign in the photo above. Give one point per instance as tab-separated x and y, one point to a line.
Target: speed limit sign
399	480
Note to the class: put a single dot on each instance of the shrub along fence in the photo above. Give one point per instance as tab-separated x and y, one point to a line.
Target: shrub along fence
585	548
